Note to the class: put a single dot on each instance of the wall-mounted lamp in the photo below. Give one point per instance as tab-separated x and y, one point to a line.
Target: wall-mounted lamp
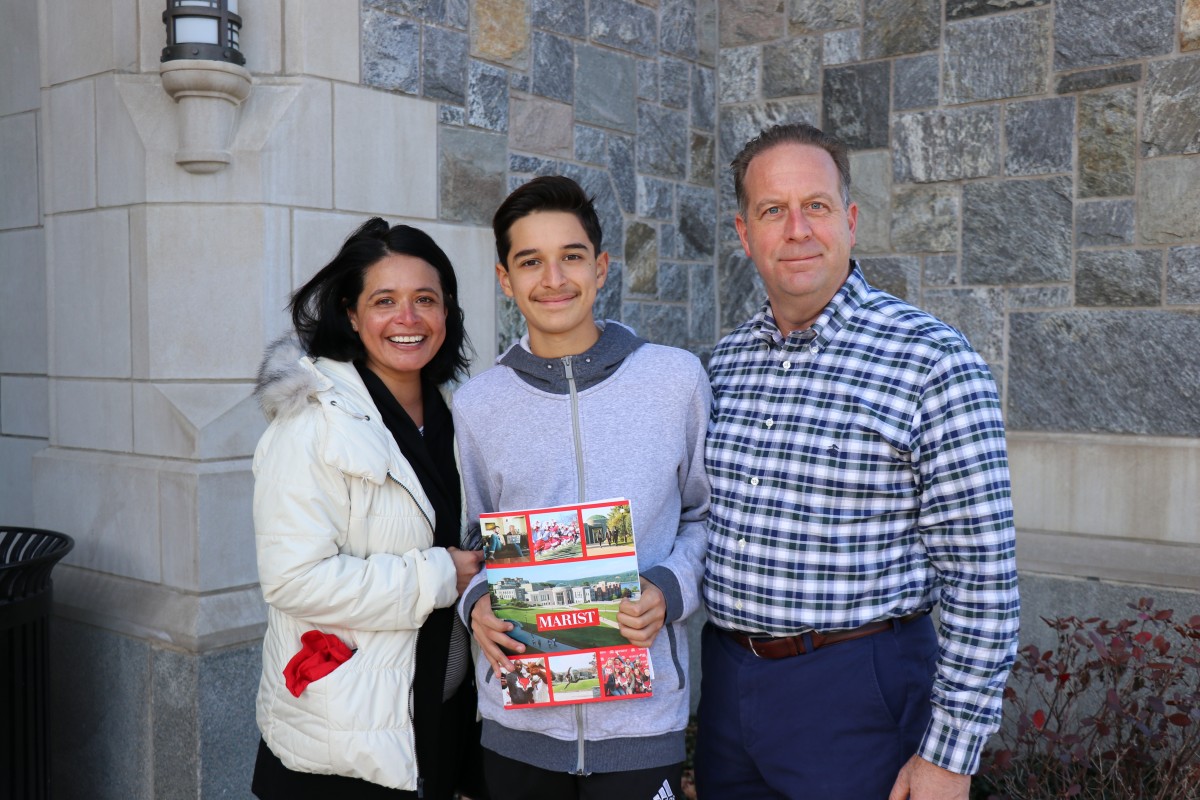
202	71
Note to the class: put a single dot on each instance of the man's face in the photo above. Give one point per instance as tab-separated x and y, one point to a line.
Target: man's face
553	274
797	230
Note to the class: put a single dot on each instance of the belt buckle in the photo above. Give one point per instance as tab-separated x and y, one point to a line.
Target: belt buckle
751	640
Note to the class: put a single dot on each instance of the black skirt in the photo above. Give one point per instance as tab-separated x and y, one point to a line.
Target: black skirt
274	781
453	765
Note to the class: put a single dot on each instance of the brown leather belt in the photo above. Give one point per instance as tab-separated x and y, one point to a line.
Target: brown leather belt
788	646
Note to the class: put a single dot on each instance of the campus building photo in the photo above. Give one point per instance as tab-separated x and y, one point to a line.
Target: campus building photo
1028	171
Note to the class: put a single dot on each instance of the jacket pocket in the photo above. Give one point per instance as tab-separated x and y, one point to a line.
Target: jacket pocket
319	654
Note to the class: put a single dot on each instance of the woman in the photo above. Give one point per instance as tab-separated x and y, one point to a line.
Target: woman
358	520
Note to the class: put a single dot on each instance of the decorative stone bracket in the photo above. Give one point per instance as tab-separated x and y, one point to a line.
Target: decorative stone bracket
208	94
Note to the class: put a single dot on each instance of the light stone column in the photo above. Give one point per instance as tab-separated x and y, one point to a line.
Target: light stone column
162	288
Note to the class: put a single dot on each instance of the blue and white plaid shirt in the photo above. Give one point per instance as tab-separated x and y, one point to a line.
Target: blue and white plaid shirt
859	473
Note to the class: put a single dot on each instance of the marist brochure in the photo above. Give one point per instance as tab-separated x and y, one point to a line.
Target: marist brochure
559	574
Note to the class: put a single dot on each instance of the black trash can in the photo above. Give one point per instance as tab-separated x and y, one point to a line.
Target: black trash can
26	557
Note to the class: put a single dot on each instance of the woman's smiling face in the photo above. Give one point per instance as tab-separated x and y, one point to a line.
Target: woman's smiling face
400	317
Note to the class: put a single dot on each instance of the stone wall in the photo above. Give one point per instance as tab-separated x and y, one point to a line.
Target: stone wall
1025	169
24	387
138	299
1029	171
619	95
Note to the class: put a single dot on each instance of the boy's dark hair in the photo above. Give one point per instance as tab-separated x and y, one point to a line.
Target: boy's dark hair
547	193
792	133
319	306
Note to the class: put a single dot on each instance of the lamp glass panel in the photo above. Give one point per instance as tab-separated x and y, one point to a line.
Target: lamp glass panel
198	30
233	6
205	3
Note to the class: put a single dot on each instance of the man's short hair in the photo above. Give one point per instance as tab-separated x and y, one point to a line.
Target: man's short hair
790	133
547	193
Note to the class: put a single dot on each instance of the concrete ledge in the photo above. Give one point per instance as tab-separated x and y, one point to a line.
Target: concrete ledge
1123	487
1125	560
193	622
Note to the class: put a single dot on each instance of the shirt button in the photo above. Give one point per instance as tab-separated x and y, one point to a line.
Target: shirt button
738	605
741	544
754	481
787	365
769	423
814	349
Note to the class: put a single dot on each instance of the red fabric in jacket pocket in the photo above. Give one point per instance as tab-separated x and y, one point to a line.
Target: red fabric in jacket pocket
320	654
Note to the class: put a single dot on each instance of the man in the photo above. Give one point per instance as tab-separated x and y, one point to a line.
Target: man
514	539
575	391
859	477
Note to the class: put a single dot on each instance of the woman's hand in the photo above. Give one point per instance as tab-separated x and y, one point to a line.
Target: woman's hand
466	564
492	633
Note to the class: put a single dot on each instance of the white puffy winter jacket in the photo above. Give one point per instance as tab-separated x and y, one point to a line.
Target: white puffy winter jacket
344	535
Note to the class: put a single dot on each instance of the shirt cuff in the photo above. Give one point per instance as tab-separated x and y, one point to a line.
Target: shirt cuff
951	748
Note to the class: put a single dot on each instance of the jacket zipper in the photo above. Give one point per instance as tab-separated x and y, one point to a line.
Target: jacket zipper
412	723
408	491
580	716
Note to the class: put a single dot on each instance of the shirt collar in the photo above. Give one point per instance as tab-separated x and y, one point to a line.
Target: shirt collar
841	308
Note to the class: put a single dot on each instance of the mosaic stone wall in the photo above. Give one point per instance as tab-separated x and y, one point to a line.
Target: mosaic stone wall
619	95
1027	170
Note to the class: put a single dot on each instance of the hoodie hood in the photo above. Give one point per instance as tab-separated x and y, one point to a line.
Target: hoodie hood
589	368
287	380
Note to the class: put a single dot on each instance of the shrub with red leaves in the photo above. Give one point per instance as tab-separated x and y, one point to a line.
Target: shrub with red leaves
1112	713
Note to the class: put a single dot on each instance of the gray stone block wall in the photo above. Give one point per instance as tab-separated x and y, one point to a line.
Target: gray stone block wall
170	724
1044	187
1027	170
619	94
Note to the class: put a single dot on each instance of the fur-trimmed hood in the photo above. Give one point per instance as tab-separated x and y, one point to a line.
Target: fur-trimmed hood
287	380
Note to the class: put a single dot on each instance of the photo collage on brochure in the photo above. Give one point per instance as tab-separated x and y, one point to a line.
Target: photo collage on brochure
559	575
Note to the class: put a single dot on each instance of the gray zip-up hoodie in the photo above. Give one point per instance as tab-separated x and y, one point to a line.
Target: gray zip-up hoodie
623	419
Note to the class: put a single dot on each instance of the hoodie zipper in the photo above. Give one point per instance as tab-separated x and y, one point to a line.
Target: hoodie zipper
570	375
580	714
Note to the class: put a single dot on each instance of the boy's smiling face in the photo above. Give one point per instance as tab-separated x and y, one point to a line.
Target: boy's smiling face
553	274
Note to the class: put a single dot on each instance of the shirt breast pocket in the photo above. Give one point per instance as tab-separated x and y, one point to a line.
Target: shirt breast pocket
863	468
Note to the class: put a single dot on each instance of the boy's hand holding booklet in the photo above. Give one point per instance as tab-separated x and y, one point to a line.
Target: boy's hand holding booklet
559	575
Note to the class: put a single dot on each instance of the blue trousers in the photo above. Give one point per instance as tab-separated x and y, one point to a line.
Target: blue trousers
833	724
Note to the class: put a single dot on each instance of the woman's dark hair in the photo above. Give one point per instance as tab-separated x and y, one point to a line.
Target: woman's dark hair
319	307
547	193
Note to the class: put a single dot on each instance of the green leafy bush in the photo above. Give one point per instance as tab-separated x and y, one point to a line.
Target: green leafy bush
1112	713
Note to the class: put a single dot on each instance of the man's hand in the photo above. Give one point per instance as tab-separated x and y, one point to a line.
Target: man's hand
466	564
492	633
640	622
922	780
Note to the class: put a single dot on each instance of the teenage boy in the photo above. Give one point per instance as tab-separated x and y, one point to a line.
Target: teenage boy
582	410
